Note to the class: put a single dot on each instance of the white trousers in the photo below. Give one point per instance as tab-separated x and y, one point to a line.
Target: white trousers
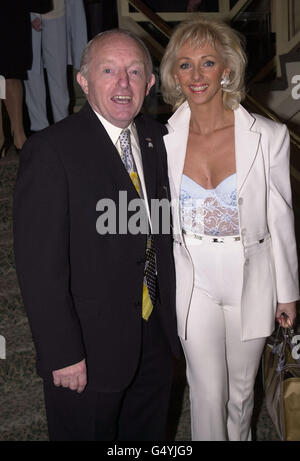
221	368
52	43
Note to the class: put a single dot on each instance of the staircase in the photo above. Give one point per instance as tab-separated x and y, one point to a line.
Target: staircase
272	31
282	95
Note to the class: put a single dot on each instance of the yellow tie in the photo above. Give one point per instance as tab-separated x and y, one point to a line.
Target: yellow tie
149	286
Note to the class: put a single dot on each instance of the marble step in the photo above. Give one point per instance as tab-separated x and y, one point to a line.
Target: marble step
22	416
6	238
8	174
28	428
7	262
6	212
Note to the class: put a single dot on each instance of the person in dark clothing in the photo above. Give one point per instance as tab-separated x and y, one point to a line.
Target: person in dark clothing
16	60
101	303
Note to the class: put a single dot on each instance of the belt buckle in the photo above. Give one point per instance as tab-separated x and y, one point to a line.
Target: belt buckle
218	240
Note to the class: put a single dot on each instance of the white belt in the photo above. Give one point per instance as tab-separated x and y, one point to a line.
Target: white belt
211	239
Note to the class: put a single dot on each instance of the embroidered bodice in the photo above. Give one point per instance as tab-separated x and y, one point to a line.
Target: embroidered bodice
209	211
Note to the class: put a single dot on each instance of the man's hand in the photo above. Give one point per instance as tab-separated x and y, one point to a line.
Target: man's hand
36	24
74	377
286	314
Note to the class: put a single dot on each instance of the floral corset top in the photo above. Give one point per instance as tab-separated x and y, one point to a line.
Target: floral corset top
209	211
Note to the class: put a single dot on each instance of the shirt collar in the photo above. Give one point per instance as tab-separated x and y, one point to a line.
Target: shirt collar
114	131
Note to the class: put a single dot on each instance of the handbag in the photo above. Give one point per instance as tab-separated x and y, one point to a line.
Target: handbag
281	382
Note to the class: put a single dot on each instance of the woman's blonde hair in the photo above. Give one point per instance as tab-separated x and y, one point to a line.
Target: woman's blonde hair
229	43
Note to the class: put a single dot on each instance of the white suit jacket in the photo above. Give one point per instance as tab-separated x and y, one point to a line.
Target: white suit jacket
265	213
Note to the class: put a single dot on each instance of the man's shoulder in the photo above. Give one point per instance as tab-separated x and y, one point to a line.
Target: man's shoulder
66	131
148	121
61	140
71	122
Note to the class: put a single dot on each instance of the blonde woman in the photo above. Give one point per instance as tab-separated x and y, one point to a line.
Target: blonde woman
234	243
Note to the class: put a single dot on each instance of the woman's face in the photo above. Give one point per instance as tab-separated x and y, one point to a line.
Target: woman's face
199	71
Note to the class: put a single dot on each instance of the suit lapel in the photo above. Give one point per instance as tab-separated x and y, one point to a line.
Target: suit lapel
149	159
246	145
176	144
106	155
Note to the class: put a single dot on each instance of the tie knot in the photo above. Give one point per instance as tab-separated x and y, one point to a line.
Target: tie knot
125	138
125	132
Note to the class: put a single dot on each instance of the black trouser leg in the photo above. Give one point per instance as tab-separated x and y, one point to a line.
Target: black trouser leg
145	406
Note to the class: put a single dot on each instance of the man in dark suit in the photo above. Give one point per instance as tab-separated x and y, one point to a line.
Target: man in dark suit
100	304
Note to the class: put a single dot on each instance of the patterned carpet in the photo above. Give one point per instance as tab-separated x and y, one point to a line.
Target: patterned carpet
22	416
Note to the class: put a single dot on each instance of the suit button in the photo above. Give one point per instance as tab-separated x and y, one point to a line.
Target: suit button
137	305
141	260
240	201
246	262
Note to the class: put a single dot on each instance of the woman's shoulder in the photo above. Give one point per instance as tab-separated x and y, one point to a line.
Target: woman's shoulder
265	124
268	123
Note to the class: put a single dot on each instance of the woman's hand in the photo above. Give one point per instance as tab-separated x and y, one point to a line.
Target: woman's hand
286	314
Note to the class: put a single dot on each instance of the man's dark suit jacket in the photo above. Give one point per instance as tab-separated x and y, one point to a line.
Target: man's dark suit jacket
83	291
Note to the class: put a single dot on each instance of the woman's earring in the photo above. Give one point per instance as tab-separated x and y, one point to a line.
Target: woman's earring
225	81
178	89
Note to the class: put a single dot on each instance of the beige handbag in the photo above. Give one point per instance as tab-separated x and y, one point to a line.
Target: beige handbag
281	381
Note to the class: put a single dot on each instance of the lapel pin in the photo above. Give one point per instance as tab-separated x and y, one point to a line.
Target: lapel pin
149	142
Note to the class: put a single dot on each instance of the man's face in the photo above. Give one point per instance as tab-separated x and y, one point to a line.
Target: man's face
116	84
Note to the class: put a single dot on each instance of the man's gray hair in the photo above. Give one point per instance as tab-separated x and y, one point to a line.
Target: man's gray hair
85	59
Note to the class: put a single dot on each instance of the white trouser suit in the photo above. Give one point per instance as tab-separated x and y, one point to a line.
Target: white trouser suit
221	369
227	293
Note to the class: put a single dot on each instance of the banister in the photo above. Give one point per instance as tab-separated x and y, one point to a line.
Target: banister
152	17
236	14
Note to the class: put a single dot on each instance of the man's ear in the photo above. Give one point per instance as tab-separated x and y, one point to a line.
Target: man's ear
150	84
82	81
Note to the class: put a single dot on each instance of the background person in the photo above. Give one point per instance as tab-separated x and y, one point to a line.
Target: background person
234	242
16	60
58	39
